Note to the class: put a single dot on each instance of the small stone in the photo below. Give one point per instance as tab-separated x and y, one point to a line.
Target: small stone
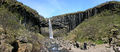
69	48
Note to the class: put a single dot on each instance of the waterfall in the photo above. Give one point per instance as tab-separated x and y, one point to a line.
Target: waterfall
50	30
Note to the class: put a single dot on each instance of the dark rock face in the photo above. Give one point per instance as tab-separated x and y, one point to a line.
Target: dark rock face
70	21
14	16
30	18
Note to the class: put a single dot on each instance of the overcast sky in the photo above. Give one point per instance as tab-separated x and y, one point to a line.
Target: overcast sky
49	8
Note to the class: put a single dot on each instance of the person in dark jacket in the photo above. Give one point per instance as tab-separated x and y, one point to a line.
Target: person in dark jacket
76	44
109	41
85	46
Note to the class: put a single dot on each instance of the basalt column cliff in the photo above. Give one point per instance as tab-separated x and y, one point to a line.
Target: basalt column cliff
67	22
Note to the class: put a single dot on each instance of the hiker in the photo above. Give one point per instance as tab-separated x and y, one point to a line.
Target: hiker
76	44
85	46
110	40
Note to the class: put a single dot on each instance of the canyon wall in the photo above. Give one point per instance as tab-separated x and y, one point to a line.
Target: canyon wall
69	21
19	28
27	16
61	23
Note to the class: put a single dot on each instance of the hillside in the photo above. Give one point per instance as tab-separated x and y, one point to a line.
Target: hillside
98	28
22	29
19	27
67	22
27	16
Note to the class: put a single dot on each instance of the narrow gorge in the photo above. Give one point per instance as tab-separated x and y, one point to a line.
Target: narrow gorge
22	29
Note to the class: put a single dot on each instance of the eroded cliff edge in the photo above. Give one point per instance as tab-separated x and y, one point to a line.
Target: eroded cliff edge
19	28
20	25
29	17
67	22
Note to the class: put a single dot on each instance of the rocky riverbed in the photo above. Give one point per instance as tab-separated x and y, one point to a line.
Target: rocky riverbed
61	45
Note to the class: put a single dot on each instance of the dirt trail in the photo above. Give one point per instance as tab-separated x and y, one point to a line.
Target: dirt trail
97	48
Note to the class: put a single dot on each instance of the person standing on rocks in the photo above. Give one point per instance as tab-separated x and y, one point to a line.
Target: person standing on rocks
85	46
110	40
76	44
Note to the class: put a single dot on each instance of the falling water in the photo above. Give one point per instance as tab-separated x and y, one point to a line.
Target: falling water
52	43
50	30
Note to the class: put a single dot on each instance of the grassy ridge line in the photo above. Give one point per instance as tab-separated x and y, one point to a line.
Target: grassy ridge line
14	3
98	6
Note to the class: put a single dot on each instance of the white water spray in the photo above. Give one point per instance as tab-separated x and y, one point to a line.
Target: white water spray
50	30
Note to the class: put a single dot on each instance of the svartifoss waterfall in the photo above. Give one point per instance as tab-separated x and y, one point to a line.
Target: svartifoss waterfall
50	30
53	44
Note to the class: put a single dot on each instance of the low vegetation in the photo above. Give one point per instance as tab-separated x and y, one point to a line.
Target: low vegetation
12	27
98	28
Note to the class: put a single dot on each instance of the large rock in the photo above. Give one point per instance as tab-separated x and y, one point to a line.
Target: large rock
5	47
21	47
118	36
26	47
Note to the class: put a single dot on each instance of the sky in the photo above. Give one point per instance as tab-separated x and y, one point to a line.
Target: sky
49	8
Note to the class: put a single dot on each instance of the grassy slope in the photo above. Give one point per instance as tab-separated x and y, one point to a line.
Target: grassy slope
96	28
30	17
10	23
11	29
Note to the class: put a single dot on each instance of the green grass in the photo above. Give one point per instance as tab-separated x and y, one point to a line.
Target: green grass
96	28
12	29
99	42
10	22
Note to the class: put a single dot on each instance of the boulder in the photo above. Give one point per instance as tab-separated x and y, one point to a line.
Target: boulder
21	47
26	47
5	47
118	36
